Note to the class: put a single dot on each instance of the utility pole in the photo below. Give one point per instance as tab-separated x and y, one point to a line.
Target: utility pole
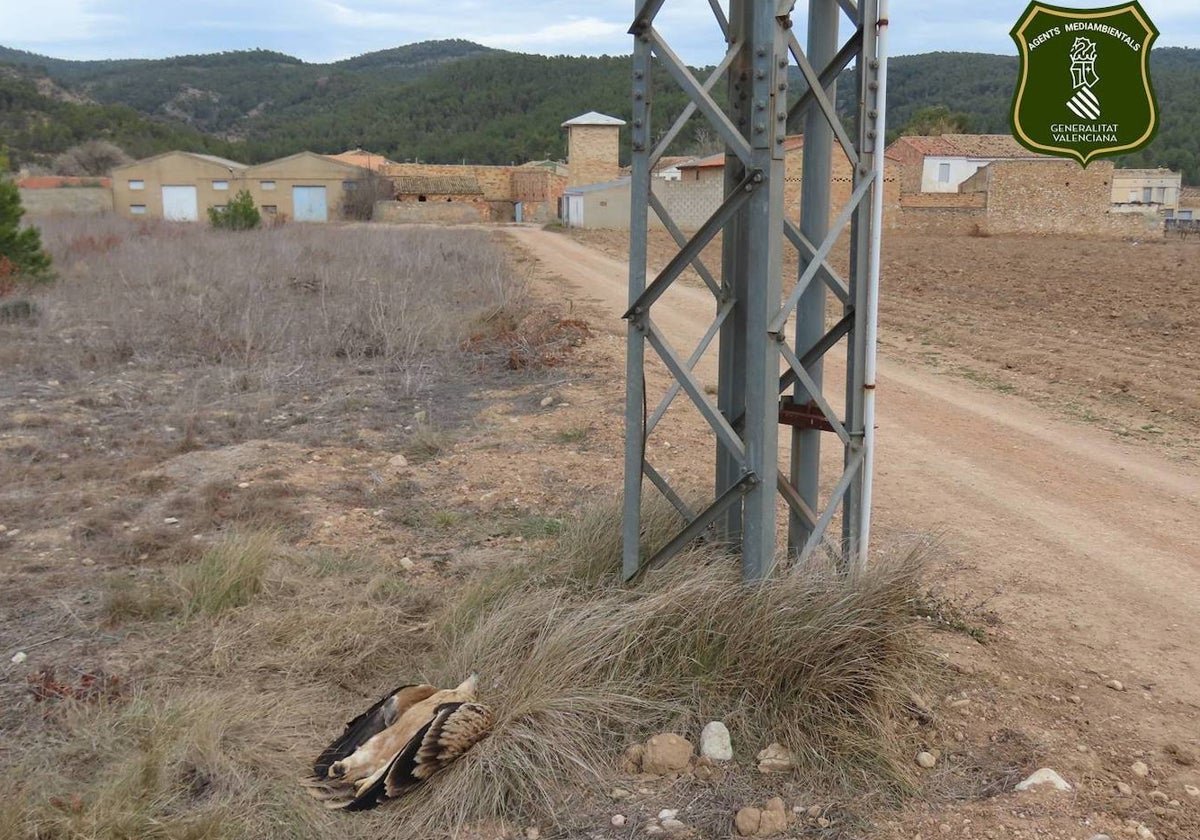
752	311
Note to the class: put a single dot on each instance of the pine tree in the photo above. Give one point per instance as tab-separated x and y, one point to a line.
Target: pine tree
21	254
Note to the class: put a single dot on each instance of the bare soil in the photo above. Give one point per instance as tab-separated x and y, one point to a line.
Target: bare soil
1066	532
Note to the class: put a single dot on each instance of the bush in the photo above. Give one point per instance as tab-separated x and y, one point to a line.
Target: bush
239	214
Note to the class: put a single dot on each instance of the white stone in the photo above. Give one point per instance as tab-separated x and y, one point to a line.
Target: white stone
1116	685
1042	777
674	826
1140	769
532	833
407	564
243	485
618	820
171	520
1144	833
927	760
397	462
1124	789
19	657
1159	796
619	793
668	814
88	561
1192	791
547	402
714	742
775	759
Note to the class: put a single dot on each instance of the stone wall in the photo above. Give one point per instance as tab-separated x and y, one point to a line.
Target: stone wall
496	181
944	201
432	212
593	154
1056	197
67	201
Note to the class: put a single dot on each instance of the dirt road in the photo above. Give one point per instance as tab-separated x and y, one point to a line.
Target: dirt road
1088	547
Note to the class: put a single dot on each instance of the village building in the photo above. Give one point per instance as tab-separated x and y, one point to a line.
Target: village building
1146	191
304	187
176	186
593	149
940	164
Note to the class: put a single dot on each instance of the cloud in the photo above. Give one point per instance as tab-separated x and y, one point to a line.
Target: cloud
323	30
54	21
581	32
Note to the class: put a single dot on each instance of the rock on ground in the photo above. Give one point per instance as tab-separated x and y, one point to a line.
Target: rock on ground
715	743
775	759
666	754
762	822
1043	777
1140	769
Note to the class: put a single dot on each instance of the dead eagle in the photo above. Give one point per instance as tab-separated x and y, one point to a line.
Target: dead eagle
399	742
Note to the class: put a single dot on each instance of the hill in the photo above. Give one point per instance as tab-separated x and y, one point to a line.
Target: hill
445	101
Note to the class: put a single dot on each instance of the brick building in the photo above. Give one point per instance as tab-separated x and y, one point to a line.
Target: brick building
593	149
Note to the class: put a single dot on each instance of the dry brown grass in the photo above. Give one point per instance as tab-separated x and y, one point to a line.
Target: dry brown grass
577	665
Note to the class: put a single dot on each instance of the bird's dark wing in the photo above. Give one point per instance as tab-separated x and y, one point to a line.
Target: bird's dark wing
455	728
369	724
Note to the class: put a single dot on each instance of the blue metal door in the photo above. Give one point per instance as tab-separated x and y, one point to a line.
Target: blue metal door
519	212
308	204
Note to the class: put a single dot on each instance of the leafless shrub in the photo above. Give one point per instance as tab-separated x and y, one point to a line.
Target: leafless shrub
281	302
95	157
362	194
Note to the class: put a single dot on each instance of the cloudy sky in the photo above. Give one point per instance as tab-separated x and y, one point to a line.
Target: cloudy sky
325	30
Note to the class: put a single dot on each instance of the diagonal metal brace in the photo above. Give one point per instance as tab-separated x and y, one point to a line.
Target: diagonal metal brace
647	11
728	209
681	240
818	90
713	112
828	76
835	230
839	287
698	525
720	426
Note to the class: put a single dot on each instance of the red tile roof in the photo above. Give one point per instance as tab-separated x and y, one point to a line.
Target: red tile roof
53	182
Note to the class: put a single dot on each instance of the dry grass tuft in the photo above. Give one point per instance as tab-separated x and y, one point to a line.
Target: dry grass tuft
577	666
229	574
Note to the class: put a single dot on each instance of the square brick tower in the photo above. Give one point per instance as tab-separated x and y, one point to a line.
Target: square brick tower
593	149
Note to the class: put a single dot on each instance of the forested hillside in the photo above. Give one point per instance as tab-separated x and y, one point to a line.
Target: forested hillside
446	101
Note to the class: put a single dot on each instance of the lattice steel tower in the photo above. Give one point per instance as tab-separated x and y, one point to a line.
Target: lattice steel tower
754	307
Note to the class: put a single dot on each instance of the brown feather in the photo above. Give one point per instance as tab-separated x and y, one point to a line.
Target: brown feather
427	730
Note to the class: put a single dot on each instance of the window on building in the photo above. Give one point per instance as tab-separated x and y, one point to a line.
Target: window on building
349	186
137	209
1147	194
266	185
220	185
270	209
422	198
137	185
1185	215
943	173
1158	194
1133	195
220	208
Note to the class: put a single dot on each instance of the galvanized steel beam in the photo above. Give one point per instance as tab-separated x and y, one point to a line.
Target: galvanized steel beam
754	364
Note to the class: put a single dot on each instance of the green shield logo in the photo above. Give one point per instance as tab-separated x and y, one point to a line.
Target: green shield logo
1084	90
